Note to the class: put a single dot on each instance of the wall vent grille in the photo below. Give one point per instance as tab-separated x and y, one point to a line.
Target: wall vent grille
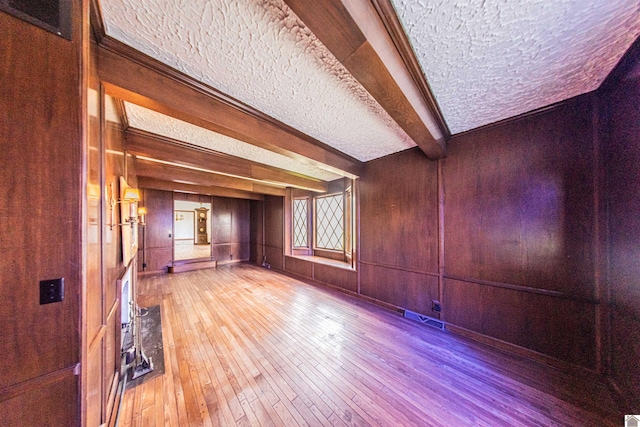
424	319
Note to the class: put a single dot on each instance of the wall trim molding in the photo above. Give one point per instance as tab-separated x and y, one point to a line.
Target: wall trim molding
392	267
38	382
392	23
527	353
527	289
113	53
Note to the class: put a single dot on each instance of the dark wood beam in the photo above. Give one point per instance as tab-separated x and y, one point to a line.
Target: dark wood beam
146	144
159	184
394	28
357	37
151	169
132	76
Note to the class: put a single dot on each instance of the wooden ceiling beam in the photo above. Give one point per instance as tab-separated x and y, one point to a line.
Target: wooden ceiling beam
160	171
356	35
132	76
159	184
146	144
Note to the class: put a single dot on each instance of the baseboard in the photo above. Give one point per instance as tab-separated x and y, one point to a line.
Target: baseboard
527	353
629	403
507	347
180	268
314	282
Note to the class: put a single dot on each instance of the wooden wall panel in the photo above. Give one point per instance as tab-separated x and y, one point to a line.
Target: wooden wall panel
221	251
240	220
40	217
299	266
240	251
620	117
399	212
230	229
158	231
519	201
274	257
221	221
158	259
340	277
256	232
557	327
47	405
413	291
273	230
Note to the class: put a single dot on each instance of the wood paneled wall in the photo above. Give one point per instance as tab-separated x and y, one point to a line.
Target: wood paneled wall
106	163
506	233
256	231
41	134
274	231
399	231
519	227
502	234
620	117
230	228
158	240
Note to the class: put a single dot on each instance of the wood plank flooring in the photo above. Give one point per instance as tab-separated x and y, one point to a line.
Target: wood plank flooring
245	346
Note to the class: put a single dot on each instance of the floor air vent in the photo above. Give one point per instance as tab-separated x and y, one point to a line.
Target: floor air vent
424	319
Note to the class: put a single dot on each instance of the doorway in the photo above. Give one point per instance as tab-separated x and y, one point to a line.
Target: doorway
192	230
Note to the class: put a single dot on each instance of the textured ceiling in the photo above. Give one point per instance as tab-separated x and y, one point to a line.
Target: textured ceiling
488	60
151	121
260	53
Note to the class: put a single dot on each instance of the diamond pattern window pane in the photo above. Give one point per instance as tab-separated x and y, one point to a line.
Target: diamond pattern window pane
300	227
330	222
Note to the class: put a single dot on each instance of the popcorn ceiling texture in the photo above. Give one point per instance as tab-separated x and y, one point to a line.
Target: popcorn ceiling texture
262	54
488	60
152	121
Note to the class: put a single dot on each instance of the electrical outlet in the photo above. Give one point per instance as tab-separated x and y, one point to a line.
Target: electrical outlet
51	291
435	306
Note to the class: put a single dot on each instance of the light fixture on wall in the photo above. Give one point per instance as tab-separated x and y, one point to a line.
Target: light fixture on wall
179	217
131	196
142	211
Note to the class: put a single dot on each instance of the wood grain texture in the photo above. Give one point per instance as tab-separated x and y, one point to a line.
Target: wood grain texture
620	119
46	405
413	291
256	230
367	52
245	346
161	148
519	202
158	232
340	277
135	77
159	171
274	231
159	184
230	229
563	329
299	267
41	170
400	41
399	212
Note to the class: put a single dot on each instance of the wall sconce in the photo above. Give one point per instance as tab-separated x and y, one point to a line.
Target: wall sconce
179	217
130	196
142	211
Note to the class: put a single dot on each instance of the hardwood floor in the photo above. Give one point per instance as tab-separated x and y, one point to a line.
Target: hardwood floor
249	347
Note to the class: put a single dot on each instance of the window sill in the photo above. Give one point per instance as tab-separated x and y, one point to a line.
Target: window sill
324	261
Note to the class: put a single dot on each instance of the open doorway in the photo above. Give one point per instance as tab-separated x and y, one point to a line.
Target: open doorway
192	228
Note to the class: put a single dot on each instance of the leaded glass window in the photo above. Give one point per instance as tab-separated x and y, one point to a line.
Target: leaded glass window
300	223
330	222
